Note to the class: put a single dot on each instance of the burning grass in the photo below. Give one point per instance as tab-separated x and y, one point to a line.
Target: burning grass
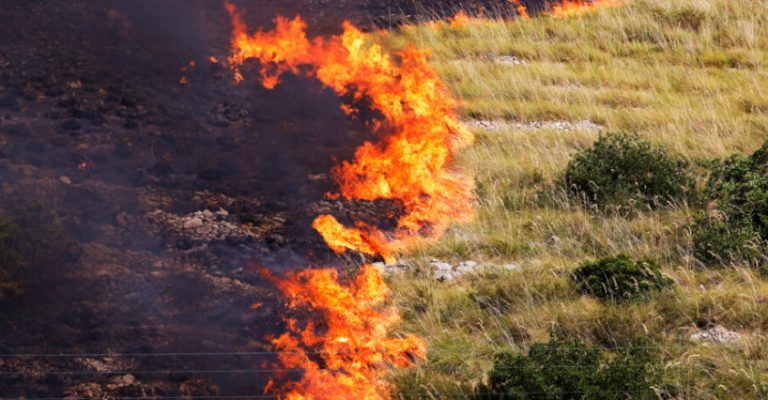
676	72
419	131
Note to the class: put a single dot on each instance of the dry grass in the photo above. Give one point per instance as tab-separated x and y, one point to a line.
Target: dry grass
688	75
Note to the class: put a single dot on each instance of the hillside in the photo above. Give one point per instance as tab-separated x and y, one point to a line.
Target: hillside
687	76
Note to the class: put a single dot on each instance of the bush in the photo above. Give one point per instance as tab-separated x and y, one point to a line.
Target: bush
565	369
619	278
735	224
621	169
31	241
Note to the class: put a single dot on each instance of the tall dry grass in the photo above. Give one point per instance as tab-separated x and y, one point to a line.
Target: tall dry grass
688	75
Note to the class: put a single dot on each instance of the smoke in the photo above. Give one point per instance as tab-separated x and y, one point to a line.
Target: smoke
96	127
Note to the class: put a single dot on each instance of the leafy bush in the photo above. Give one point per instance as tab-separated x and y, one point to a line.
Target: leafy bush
735	224
566	369
31	241
621	169
619	278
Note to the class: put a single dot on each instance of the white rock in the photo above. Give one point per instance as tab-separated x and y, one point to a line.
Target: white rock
511	266
466	267
512	60
717	334
441	266
65	180
443	275
192	223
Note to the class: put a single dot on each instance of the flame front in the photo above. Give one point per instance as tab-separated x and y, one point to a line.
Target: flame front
522	11
420	125
345	361
347	356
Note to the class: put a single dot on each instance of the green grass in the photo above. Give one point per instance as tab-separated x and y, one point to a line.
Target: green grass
688	75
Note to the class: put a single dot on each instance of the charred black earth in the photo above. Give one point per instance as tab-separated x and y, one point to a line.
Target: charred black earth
171	184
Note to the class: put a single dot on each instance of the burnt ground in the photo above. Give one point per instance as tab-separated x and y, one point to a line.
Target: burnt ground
172	193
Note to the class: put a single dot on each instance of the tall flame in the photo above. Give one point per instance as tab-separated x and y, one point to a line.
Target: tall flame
522	11
420	131
346	360
410	164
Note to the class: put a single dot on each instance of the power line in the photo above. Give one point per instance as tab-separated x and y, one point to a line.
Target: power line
253	353
402	395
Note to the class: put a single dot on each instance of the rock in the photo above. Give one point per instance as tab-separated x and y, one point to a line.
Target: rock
206	226
390	269
442	275
317	178
511	266
193	223
485	124
275	239
129	379
718	334
563	126
466	267
440	266
510	60
65	180
442	271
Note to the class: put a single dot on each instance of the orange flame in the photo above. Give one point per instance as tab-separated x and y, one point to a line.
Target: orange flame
344	361
459	19
348	356
410	164
522	11
570	8
340	238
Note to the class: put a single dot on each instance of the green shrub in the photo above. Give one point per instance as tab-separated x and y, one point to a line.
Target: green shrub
31	242
735	224
619	278
621	170
566	369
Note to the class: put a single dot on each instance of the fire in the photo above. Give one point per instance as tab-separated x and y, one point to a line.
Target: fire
569	8
348	355
420	124
345	361
340	238
522	11
460	19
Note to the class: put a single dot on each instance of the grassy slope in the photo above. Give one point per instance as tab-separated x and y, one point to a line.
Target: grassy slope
689	75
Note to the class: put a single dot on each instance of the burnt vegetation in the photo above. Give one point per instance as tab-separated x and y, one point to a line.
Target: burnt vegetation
33	246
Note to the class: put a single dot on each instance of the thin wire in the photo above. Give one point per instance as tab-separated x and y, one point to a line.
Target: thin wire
397	395
264	370
162	372
250	353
